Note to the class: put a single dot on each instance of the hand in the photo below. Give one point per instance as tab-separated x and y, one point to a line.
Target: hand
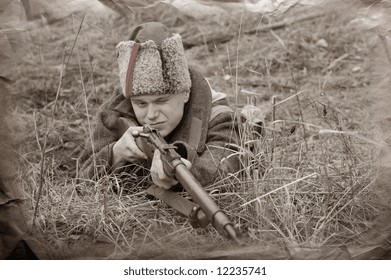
159	177
126	149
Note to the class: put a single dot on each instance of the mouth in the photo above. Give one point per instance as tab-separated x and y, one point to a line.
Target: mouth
156	124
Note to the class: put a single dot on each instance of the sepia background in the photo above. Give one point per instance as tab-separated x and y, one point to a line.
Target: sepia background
317	73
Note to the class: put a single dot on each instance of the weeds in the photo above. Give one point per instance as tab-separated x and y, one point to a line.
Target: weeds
307	179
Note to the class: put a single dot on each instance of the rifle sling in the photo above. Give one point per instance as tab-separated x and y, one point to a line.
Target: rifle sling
178	202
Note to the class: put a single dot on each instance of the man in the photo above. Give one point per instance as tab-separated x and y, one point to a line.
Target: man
159	89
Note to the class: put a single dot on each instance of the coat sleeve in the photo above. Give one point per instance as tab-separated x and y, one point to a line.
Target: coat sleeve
95	160
220	157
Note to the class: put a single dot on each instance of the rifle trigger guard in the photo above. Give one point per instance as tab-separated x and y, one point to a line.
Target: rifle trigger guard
193	217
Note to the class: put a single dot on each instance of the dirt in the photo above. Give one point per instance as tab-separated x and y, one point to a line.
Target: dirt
339	66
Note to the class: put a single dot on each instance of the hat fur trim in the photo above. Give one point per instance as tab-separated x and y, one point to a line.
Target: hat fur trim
156	71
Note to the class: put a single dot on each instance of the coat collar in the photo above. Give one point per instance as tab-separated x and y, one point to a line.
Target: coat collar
193	127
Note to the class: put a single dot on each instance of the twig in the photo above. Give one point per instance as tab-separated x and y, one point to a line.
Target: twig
74	41
335	62
41	179
300	110
43	149
86	108
279	188
379	144
274	126
279	39
329	217
237	60
92	70
286	99
92	25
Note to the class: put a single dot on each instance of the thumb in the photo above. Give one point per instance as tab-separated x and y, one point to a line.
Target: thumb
187	163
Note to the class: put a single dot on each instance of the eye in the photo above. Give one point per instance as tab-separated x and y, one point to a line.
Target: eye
140	104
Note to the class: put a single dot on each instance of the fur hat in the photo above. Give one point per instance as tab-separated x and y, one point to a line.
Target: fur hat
152	62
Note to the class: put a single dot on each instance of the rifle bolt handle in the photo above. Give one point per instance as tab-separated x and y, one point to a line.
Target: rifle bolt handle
135	134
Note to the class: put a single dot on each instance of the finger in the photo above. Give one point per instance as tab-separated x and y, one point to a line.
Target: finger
187	163
134	128
169	184
159	165
156	155
137	152
154	163
159	176
132	148
154	169
131	142
154	174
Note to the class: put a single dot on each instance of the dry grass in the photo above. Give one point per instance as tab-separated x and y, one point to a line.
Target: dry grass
309	182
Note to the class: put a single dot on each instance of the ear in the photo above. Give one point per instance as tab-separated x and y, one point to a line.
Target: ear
186	96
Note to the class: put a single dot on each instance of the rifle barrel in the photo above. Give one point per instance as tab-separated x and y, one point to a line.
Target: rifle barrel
217	217
172	164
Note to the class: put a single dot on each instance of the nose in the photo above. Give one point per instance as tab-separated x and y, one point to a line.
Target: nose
153	111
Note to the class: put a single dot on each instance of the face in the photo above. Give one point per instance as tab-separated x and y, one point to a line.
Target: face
163	112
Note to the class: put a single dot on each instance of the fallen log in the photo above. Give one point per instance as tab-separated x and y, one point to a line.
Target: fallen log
216	38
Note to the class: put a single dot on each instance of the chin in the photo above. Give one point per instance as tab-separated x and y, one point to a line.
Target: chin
163	130
163	133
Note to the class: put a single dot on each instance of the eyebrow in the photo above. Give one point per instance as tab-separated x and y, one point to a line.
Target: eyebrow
159	98
137	100
166	97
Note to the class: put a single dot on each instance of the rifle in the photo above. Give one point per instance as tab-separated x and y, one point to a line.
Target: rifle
149	140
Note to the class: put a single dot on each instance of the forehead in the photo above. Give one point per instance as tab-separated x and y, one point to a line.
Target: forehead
151	98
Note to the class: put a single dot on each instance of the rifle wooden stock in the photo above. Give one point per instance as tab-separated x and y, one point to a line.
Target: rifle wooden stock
151	139
216	216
